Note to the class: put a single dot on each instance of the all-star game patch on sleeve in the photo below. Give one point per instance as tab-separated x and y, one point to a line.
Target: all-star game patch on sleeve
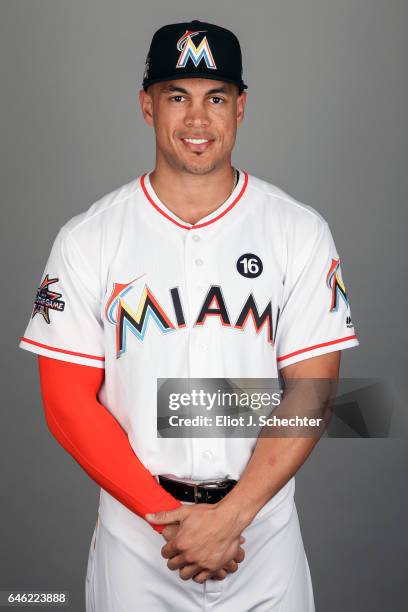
315	317
65	321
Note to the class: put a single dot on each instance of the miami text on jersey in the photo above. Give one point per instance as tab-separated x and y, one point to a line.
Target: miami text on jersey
119	313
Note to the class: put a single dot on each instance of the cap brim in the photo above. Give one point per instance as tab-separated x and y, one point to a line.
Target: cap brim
196	75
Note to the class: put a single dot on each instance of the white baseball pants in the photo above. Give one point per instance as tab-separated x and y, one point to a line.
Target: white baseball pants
132	576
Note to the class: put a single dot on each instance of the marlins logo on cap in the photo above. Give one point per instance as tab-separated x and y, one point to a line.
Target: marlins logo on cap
194	49
188	50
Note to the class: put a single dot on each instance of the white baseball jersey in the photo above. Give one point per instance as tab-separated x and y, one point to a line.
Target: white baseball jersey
252	287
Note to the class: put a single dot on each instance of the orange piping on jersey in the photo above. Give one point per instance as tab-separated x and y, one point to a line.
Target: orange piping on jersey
58	350
316	346
198	225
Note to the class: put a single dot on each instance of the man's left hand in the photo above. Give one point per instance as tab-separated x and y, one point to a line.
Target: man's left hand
209	537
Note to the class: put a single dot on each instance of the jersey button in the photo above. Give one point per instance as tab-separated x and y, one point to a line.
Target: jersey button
198	262
196	238
207	455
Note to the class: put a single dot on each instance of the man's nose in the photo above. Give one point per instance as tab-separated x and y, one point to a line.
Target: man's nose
196	115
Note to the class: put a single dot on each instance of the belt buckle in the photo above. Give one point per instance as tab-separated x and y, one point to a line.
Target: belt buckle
197	494
210	484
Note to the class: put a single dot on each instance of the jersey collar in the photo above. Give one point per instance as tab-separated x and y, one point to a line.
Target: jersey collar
218	213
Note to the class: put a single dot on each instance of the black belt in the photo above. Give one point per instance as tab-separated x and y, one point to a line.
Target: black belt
209	492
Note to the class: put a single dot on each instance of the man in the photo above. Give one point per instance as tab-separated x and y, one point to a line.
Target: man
193	270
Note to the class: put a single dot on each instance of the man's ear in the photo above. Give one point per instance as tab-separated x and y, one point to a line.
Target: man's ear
241	102
146	106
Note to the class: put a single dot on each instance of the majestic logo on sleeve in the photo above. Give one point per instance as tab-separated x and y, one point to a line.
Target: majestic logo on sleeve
188	50
335	283
47	299
126	319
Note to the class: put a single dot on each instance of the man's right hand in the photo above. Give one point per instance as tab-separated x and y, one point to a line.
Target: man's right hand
170	531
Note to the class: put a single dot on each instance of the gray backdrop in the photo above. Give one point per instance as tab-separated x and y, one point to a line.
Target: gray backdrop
326	121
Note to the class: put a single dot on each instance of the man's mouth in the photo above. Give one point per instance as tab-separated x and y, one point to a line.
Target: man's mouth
197	145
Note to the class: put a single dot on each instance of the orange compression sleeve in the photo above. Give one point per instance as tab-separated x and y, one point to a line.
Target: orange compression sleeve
95	439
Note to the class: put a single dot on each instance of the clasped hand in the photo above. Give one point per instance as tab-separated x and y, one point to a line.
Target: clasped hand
203	541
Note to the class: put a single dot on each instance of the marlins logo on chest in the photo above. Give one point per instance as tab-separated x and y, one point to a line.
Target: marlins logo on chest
149	311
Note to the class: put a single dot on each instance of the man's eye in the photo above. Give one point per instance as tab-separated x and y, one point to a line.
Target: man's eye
177	98
216	99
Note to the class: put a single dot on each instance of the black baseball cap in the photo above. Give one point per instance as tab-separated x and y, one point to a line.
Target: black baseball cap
194	49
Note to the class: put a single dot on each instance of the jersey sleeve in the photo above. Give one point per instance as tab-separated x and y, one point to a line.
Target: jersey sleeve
315	315
65	322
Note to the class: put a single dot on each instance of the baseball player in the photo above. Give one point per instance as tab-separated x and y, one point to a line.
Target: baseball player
195	269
